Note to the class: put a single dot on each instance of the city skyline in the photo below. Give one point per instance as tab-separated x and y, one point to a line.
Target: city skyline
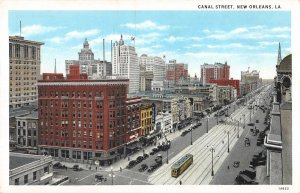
243	40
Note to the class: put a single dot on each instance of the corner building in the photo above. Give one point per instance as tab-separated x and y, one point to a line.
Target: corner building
82	120
24	70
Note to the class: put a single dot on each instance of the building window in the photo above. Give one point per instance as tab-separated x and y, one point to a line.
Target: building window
17	50
34	175
26	179
17	181
10	50
46	170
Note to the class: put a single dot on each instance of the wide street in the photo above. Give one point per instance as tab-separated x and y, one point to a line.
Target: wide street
199	172
226	176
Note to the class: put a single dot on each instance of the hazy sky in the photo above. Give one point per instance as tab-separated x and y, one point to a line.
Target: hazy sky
243	39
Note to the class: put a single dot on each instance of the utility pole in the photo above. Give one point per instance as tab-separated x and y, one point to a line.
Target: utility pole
212	150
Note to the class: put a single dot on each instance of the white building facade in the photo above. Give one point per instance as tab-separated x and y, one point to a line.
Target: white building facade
155	64
125	64
164	122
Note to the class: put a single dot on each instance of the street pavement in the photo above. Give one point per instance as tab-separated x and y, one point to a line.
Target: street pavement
226	175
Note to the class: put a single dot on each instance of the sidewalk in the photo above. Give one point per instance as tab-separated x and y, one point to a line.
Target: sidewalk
122	163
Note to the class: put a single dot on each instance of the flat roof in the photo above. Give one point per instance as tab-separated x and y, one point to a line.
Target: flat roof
18	161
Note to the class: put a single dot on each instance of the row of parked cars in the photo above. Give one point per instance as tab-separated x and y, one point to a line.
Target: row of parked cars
138	160
246	177
258	160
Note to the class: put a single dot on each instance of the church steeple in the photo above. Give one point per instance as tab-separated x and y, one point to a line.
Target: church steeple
279	55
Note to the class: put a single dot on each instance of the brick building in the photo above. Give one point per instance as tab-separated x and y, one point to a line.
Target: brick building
146	119
215	71
85	120
224	82
176	71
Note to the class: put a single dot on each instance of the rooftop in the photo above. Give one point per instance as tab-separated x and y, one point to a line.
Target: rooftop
17	160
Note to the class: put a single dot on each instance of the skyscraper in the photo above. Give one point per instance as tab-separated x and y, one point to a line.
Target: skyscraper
125	64
24	70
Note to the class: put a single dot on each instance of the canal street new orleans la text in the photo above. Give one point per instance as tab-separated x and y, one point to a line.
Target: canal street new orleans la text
232	7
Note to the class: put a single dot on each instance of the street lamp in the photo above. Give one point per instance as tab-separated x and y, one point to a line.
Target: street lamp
228	140
244	121
167	155
218	118
112	175
212	150
191	134
207	125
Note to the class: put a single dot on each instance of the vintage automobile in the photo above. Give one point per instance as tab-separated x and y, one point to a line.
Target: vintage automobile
143	168
100	178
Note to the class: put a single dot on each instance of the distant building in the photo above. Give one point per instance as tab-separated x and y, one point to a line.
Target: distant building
27	131
226	94
231	82
84	120
88	65
176	72
217	71
125	64
154	64
249	81
26	169
24	70
146	77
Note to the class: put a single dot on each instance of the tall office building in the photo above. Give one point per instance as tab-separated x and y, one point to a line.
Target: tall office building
155	64
125	64
176	71
215	71
88	65
24	70
82	119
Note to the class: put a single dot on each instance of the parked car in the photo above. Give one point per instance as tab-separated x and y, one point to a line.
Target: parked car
250	174
131	164
77	168
100	178
257	121
243	179
145	156
58	165
143	168
139	159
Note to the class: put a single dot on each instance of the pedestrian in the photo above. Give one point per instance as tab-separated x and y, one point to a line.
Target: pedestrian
228	167
66	168
120	169
96	168
180	182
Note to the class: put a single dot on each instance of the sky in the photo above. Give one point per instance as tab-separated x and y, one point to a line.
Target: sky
241	38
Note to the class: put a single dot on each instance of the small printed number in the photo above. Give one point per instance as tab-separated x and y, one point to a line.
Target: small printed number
283	188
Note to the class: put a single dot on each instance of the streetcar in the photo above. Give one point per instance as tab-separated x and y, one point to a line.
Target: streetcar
181	165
